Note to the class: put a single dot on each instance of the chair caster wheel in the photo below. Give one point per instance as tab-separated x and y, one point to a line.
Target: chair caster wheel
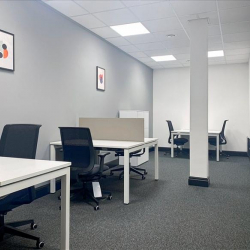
33	226
110	197
40	244
145	172
111	173
59	197
120	177
143	177
96	208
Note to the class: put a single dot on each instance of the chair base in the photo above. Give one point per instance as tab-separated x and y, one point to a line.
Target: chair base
88	194
10	228
131	169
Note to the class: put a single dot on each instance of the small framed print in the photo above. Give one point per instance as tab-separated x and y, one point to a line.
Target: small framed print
100	78
6	50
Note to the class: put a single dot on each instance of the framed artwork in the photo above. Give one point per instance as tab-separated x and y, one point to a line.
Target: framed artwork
100	78
6	50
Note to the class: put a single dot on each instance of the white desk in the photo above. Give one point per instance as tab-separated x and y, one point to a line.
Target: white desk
17	174
127	146
187	132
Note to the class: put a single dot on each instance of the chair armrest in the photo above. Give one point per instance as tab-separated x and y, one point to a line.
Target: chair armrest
102	156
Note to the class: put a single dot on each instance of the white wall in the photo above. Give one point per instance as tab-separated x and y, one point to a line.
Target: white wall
228	99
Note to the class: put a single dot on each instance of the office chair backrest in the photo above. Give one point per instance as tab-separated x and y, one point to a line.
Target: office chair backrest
78	147
223	139
171	128
19	141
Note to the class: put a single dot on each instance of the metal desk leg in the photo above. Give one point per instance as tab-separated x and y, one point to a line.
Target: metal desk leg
52	158
217	148
172	145
126	176
156	162
65	210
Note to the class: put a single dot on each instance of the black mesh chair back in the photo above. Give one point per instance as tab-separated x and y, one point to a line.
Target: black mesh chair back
19	141
78	147
223	139
171	128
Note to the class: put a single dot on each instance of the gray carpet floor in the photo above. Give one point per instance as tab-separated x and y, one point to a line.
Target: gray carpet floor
164	214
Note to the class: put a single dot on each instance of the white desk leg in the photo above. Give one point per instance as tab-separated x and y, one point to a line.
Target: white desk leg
65	210
172	145
52	158
156	162
126	176
217	148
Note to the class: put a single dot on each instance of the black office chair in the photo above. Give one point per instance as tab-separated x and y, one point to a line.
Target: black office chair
18	141
136	170
78	149
177	141
222	138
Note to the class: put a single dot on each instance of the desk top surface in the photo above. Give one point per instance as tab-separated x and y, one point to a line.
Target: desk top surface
114	144
16	169
188	131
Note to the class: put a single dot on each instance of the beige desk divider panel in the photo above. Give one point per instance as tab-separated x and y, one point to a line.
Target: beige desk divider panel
115	129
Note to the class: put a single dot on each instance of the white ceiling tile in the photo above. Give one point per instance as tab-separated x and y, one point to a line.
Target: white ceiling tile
116	17
171	63
237	45
174	51
152	63
136	3
129	48
214	30
146	59
146	38
230	28
118	41
178	42
99	6
162	36
105	32
238	57
237	52
235	15
157	67
217	59
157	52
88	21
238	37
232	4
183	8
138	55
163	24
215	46
150	46
237	61
68	8
214	40
182	57
153	11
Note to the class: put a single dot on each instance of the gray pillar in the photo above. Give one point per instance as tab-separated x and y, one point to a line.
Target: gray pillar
199	168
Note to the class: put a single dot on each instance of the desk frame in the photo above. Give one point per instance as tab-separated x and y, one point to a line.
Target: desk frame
64	173
127	150
185	132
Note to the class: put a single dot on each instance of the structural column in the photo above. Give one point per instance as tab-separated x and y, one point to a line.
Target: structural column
199	168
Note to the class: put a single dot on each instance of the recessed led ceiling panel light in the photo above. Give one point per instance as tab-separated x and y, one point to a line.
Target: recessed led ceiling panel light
130	29
163	58
217	53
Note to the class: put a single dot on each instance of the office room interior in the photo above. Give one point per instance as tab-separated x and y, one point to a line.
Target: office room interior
107	79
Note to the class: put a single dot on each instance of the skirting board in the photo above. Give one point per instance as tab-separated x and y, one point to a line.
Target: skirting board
197	181
230	153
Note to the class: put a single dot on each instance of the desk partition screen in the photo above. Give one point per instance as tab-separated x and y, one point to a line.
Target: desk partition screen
115	129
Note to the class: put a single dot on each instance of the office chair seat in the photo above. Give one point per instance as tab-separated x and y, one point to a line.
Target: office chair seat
213	142
180	141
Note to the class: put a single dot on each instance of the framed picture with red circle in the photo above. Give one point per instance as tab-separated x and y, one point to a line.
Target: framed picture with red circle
100	78
6	51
